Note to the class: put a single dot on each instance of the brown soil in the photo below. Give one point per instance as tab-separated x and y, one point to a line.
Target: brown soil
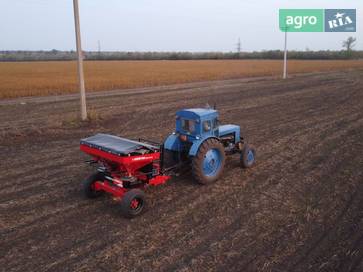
300	208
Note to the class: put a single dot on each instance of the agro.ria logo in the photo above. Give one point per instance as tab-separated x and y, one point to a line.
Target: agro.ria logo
340	20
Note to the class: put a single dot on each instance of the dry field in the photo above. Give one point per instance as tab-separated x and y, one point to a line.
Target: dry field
50	78
299	209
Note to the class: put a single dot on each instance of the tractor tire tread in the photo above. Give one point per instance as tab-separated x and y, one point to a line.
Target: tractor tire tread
198	160
243	157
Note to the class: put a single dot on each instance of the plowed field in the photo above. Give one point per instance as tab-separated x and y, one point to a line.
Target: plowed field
300	208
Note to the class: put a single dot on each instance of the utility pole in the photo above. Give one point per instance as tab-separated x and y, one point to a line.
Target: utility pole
285	56
99	47
80	61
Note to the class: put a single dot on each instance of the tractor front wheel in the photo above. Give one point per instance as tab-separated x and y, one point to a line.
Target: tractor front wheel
89	185
248	156
132	203
208	164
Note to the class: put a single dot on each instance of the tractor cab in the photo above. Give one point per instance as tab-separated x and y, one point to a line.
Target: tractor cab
197	123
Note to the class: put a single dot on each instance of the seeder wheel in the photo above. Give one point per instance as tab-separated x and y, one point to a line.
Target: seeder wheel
89	183
132	203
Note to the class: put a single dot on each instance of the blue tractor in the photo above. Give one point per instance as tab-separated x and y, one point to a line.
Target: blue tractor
200	140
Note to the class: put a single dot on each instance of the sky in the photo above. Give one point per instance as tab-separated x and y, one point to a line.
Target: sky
164	25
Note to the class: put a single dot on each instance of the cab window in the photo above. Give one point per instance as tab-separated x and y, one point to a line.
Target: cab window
206	126
188	125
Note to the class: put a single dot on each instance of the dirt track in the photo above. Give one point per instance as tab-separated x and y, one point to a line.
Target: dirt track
299	209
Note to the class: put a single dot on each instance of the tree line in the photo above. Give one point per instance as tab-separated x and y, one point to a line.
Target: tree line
56	55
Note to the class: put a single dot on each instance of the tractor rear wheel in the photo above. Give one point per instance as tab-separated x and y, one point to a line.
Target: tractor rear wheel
89	185
132	203
248	156
208	164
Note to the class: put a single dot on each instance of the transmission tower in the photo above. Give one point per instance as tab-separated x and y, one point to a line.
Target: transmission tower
99	47
239	47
